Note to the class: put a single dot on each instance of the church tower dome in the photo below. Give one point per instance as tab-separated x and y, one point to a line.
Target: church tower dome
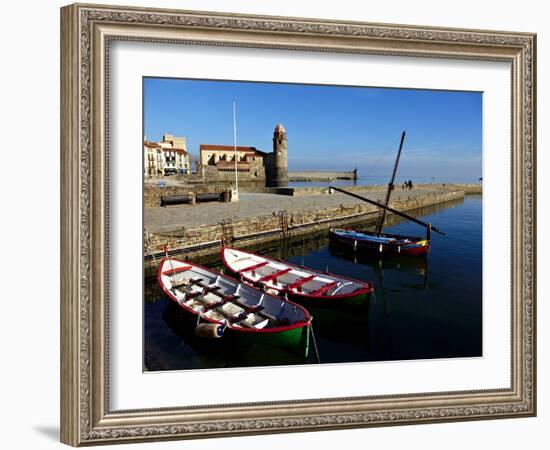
280	128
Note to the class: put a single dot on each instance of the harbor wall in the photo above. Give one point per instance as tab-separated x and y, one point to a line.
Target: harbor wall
320	190
473	188
152	192
310	175
206	239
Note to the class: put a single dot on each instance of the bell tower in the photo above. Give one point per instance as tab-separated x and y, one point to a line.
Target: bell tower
280	156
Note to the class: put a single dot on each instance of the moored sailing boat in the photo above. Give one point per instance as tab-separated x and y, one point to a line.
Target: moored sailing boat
377	241
383	243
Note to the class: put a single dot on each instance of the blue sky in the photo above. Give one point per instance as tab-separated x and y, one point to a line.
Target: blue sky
328	127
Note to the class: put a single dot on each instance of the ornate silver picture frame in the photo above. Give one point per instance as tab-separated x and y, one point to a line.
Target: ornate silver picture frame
87	32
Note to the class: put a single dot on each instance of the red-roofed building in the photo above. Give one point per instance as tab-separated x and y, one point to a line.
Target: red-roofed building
153	159
219	162
167	157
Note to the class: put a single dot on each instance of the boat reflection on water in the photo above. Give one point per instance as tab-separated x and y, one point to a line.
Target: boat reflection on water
223	352
417	266
344	326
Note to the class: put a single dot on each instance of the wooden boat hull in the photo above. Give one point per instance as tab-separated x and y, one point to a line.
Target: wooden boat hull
295	340
301	285
385	244
360	300
233	349
288	323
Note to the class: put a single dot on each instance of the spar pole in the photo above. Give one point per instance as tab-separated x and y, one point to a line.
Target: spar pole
390	187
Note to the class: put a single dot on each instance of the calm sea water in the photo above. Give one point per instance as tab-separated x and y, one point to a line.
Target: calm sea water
423	307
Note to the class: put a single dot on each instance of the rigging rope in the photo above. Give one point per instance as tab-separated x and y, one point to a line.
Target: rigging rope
315	343
384	155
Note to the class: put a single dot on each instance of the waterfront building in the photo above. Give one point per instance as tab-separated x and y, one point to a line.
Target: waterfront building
176	157
174	141
218	162
176	161
167	157
153	164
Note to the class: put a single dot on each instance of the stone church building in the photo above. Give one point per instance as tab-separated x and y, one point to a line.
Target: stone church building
217	162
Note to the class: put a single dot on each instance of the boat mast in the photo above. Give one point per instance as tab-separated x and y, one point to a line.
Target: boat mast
390	188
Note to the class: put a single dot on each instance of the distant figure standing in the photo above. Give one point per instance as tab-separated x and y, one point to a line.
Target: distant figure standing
410	184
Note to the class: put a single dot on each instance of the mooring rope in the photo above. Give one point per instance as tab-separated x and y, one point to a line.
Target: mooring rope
315	344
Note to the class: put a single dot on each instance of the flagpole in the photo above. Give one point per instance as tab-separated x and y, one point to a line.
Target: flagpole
235	149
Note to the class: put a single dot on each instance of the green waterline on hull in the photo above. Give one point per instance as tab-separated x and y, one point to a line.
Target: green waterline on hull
295	340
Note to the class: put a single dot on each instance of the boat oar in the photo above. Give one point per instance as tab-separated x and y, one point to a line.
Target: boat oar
393	211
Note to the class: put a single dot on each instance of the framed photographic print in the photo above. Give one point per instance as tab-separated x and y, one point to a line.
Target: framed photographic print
268	221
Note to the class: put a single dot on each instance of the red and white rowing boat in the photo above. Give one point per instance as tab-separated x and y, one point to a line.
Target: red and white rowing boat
226	307
300	284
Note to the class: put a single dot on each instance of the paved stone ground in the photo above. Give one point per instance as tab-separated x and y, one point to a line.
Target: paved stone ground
251	204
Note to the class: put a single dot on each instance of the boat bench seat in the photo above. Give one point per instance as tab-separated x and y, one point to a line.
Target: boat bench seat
327	287
273	276
239	317
249	309
228	299
221	302
189	295
253	267
299	282
180	283
192	295
255	309
243	315
187	282
213	305
207	289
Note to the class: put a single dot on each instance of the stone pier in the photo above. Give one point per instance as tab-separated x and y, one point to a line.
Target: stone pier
260	218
